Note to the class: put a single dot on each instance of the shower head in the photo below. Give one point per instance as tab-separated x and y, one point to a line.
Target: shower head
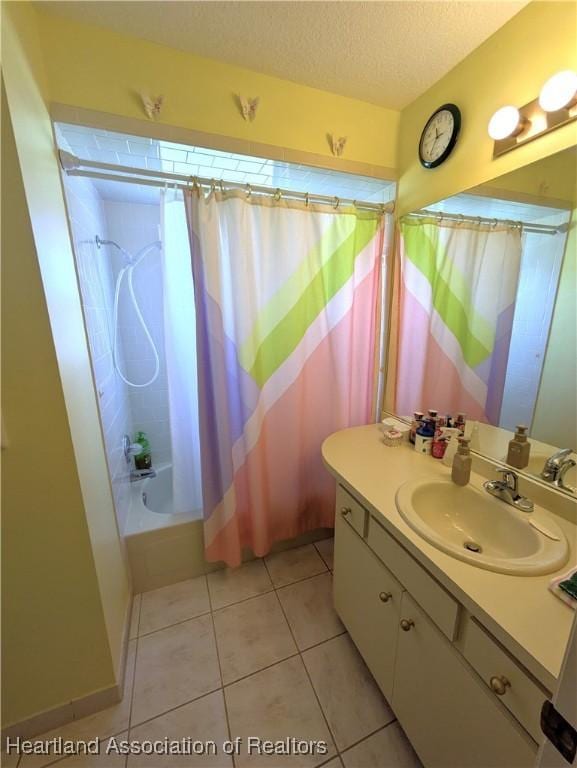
99	243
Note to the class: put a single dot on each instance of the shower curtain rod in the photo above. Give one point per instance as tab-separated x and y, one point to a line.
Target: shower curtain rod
72	165
526	226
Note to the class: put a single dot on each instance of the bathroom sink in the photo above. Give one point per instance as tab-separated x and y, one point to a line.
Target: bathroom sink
469	524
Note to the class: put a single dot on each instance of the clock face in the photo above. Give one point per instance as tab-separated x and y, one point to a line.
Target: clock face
439	136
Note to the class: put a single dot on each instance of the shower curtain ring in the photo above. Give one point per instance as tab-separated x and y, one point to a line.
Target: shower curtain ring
307	199
278	194
494	223
221	185
336	203
213	185
248	190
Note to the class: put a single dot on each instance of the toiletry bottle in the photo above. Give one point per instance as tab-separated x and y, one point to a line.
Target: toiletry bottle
451	436
439	441
415	424
462	462
424	436
519	449
460	421
143	460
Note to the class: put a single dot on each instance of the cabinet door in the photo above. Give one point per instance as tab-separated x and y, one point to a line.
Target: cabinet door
367	599
447	712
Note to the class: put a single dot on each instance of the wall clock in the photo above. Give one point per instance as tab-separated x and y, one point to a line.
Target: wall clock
439	135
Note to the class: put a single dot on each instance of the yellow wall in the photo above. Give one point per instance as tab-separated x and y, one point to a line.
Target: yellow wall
509	68
65	583
550	181
54	644
97	69
555	419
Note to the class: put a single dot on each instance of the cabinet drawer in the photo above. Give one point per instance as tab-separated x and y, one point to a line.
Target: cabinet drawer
438	603
523	696
350	509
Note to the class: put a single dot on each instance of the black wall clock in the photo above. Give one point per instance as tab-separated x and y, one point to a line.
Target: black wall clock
439	135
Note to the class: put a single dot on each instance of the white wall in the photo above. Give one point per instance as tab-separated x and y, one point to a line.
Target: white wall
133	226
96	281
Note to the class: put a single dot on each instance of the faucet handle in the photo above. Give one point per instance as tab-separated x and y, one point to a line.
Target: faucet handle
509	478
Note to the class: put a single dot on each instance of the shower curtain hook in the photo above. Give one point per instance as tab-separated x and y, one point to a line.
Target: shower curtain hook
213	186
248	190
221	185
278	194
336	203
307	199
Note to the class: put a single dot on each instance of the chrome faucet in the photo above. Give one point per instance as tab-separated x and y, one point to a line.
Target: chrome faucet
141	474
556	468
507	490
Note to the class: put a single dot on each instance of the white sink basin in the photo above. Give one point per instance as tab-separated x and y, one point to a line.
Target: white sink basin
459	520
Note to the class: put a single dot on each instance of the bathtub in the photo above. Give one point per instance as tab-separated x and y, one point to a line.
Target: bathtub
151	505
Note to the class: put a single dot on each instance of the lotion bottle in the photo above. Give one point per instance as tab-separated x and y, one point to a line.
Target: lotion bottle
461	472
519	449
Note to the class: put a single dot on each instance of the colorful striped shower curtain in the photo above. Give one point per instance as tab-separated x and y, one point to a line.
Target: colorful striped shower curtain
456	300
286	310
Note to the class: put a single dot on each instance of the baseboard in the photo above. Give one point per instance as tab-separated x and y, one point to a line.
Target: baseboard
76	709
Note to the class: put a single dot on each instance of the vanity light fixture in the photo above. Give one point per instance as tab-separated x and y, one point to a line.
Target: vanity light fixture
506	122
511	127
559	92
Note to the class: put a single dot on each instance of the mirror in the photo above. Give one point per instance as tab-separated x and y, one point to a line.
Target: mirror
484	316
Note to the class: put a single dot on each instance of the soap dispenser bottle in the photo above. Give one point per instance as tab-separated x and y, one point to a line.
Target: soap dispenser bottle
462	462
519	449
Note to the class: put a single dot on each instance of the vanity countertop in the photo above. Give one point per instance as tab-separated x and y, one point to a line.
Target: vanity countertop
520	611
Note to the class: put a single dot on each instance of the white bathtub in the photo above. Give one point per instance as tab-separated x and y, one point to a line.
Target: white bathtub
151	504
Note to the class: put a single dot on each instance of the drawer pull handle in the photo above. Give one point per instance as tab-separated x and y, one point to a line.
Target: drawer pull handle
499	685
406	624
346	511
385	596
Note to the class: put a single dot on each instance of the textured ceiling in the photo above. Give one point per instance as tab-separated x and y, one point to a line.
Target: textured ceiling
387	53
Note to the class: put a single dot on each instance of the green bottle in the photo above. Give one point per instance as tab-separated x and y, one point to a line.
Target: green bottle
143	460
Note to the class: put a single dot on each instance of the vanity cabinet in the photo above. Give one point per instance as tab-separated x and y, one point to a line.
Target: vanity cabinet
368	601
407	628
450	717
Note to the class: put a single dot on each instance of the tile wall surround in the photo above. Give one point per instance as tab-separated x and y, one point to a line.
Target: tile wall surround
158	155
133	226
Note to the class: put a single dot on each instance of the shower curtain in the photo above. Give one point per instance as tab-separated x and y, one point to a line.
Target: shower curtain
180	355
286	302
455	302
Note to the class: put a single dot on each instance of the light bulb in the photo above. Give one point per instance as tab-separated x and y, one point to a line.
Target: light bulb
559	91
505	122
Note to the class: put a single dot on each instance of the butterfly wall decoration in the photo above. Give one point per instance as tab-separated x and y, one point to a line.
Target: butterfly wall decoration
152	106
248	107
337	144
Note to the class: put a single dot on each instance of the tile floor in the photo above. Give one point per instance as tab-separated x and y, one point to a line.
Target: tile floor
258	651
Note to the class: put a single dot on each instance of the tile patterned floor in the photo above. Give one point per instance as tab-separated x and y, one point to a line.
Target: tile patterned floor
258	651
